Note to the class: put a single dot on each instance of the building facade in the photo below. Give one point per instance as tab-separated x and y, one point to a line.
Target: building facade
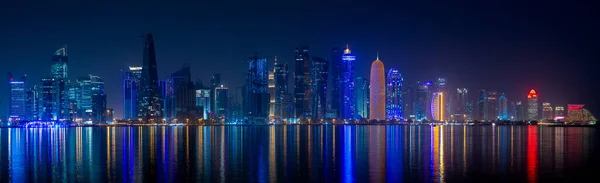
377	91
149	107
302	83
131	88
394	95
532	106
347	85
257	99
320	77
362	97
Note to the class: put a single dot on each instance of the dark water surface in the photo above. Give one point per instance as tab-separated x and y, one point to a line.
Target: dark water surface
300	154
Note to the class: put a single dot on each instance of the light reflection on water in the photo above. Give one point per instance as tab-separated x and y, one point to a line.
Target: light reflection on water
375	153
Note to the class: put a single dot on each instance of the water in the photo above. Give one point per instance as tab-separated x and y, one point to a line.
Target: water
375	153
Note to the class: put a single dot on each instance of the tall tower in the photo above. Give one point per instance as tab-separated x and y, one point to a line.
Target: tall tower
59	64
482	106
257	97
302	82
394	95
532	105
437	106
131	88
150	108
336	80
281	74
347	85
362	98
377	91
58	70
320	70
503	107
17	98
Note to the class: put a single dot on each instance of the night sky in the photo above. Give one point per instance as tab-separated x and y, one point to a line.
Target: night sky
506	46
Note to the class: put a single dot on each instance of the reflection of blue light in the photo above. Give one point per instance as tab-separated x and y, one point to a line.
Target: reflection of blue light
348	161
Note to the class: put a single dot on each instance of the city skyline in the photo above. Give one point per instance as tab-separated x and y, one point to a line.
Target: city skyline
420	52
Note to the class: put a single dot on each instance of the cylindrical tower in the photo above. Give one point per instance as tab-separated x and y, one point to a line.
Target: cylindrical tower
377	91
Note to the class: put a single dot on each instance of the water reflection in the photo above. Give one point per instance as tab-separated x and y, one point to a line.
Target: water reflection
298	154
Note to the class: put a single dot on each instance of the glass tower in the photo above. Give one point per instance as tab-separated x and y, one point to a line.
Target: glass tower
320	70
302	83
532	105
347	85
17	98
362	98
150	105
394	95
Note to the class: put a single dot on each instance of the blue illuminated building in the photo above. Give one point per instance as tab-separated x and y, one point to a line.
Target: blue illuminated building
362	97
17	98
90	86
165	91
302	84
423	101
320	70
131	87
46	103
335	74
257	101
482	106
503	107
347	85
394	95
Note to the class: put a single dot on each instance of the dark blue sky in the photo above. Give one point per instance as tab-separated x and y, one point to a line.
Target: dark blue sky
507	46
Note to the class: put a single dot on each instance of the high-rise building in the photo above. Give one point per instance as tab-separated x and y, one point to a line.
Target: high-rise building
493	110
302	83
377	91
547	112
110	115
131	88
281	78
362	97
347	85
149	108
59	73
394	95
482	106
469	110
460	107
203	100
184	94
18	98
257	98
320	72
437	106
442	86
519	111
47	103
512	111
165	89
215	82
559	112
31	104
409	98
74	97
336	81
221	101
59	64
272	94
502	107
98	108
89	86
532	106
422	101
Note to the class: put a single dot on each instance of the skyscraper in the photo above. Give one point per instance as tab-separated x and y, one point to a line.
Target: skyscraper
519	111
165	89
362	97
31	104
547	112
98	108
74	94
131	88
302	83
272	94
336	81
532	106
437	106
47	103
559	112
422	101
184	94
493	110
394	95
442	86
462	97
221	101
257	98
281	77
377	91
58	70
150	108
203	100
347	85
17	98
512	111
90	86
320	72
215	82
503	107
482	106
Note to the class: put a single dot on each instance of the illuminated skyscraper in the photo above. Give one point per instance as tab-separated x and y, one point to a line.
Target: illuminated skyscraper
98	108
460	107
442	86
131	87
394	95
493	108
281	74
519	111
559	112
17	98
58	70
59	64
377	91
257	98
532	106
347	85
90	86
502	107
31	103
547	111
422	104
362	97
336	81
183	94
221	101
512	111
437	106
47	103
302	84
165	90
150	105
203	99
215	82
272	94
74	98
482	106
320	72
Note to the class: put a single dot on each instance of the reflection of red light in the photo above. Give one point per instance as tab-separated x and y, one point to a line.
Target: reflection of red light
532	153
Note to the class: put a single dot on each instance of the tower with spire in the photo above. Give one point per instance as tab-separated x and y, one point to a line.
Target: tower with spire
347	106
149	101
